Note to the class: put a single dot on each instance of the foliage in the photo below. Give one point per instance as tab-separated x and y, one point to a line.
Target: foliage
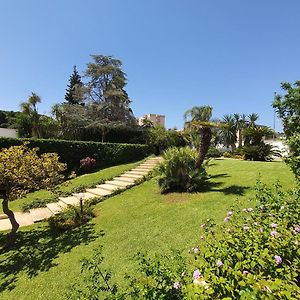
288	109
261	152
29	109
88	164
213	152
197	119
264	264
23	170
229	132
178	172
255	135
74	83
71	152
160	139
71	217
234	155
36	203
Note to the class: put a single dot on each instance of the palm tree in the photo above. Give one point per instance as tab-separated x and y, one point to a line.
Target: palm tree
252	119
229	131
29	109
197	118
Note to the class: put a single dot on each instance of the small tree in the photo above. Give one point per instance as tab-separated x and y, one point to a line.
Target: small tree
198	119
288	109
72	96
23	170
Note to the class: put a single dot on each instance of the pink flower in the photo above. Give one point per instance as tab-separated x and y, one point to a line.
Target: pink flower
297	228
219	263
255	223
245	273
278	259
261	230
244	209
274	225
196	250
274	233
226	219
202	225
250	209
246	227
197	274
230	213
176	285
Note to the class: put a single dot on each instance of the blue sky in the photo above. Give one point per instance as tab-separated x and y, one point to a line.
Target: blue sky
230	54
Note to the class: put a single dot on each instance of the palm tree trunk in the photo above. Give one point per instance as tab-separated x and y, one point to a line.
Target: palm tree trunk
205	136
11	237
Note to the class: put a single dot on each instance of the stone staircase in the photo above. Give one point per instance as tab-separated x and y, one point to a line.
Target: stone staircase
122	182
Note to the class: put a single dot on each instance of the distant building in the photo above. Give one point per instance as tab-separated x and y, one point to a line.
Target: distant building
155	119
5	132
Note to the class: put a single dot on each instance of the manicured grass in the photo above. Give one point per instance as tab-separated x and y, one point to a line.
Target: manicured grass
139	219
83	180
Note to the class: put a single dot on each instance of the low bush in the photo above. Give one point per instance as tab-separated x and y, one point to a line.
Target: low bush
71	152
261	152
213	153
178	172
72	217
87	164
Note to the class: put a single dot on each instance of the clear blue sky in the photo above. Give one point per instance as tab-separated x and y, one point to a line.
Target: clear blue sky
177	54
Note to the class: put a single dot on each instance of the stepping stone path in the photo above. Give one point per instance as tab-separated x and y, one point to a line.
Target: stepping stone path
121	182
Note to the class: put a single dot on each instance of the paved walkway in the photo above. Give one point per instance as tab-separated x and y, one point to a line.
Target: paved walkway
121	182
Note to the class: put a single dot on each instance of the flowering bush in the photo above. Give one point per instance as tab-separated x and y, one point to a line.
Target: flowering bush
87	164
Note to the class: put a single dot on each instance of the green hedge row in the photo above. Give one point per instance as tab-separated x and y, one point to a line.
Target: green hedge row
71	152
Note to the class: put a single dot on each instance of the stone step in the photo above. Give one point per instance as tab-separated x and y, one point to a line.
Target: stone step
72	200
84	196
99	192
109	187
54	207
120	183
143	169
125	179
137	173
62	204
40	214
128	175
23	219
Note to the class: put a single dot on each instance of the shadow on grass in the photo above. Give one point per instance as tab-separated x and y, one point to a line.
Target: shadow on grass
35	251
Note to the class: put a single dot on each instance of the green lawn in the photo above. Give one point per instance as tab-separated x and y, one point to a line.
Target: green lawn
83	180
140	219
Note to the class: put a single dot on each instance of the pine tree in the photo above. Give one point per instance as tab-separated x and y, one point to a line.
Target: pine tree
74	83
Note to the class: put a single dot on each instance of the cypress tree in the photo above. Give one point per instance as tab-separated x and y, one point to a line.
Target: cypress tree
74	82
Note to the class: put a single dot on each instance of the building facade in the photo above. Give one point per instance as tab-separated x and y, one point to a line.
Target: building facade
157	120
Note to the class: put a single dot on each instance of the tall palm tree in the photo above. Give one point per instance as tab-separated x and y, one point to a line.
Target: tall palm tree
197	118
30	110
229	131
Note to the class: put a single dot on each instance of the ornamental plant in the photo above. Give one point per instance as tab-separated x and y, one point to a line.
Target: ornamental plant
22	170
178	171
87	164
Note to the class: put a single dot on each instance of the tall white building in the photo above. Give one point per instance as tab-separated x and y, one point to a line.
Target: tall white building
155	119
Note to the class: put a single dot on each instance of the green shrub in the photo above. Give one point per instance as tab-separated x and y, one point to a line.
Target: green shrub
178	172
36	203
72	217
71	152
213	152
261	152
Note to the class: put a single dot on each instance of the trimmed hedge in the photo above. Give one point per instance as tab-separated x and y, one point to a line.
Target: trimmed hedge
71	152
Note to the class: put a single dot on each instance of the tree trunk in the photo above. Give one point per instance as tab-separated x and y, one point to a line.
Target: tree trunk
233	147
240	137
205	136
11	237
